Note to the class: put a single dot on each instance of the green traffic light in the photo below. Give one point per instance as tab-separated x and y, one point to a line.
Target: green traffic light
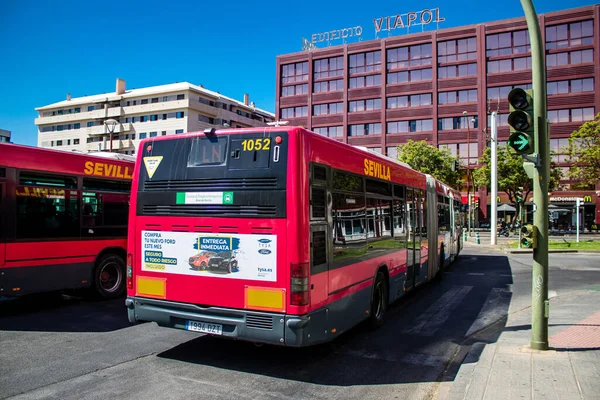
521	142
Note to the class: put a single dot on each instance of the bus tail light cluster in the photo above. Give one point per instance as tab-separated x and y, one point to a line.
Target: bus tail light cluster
129	271
299	283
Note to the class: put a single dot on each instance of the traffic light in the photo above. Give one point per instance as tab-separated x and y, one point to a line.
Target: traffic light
519	197
530	233
521	120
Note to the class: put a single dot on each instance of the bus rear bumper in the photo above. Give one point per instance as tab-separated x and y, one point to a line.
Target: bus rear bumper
253	326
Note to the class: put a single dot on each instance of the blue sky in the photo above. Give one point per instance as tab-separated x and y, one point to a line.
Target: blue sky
49	49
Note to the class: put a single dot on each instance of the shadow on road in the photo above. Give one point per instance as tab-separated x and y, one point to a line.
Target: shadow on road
422	341
54	312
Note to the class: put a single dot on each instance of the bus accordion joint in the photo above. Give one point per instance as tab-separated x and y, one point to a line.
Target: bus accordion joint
299	283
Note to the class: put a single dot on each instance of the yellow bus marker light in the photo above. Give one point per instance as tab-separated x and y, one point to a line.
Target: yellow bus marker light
152	287
264	299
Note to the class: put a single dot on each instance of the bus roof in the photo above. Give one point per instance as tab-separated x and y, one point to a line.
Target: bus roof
64	162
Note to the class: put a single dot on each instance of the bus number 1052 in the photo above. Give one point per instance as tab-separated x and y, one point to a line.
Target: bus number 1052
256	144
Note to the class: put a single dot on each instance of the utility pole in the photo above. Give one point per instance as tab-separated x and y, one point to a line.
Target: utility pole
494	178
541	174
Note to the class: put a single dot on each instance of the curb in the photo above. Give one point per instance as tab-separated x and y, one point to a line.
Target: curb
529	251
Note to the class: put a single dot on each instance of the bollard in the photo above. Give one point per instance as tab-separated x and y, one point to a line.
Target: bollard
477	241
465	237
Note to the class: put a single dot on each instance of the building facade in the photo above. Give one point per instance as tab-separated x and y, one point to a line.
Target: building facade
441	86
4	136
86	124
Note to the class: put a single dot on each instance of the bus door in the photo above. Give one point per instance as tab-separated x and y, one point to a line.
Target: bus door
413	257
420	240
321	232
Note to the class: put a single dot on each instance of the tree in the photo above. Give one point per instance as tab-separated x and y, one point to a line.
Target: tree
584	150
512	177
427	159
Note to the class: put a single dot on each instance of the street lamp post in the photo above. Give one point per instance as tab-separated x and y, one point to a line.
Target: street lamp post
469	176
110	125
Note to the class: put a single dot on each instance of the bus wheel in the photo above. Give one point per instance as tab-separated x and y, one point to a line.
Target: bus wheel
109	277
379	301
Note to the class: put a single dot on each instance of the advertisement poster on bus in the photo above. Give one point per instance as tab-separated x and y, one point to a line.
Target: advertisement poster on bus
229	256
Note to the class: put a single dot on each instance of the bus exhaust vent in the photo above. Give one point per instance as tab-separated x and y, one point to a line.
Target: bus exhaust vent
216	210
259	321
212	184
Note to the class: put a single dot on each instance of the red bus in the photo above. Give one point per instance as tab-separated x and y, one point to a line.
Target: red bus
279	235
63	220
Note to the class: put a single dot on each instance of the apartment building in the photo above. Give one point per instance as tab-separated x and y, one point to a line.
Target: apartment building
4	136
118	121
441	85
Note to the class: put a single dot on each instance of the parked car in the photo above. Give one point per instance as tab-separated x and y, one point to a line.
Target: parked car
223	261
199	262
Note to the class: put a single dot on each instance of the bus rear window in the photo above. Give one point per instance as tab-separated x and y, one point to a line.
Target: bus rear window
207	151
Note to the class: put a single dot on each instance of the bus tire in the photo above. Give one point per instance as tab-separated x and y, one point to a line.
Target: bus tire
109	277
379	301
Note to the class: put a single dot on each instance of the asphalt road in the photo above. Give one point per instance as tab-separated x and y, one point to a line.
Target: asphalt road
68	348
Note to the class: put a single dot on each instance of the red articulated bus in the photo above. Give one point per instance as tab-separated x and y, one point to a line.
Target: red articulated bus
279	235
63	220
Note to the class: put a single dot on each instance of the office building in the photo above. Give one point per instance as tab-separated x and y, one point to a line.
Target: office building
86	124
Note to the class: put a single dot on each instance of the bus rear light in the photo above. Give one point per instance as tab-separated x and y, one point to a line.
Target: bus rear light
129	271
299	283
278	140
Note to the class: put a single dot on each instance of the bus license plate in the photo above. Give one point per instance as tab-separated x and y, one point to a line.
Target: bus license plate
213	329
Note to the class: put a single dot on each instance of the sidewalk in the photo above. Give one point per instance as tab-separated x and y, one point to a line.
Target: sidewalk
509	369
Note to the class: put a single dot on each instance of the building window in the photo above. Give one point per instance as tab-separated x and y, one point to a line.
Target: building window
452	123
164	133
153	134
420	125
134	119
77	126
412	56
581	85
457	50
294	72
559	147
206	101
573	57
179	114
90	124
496	93
178	131
330	131
454	71
328	67
365	62
181	97
392	152
90	108
143	135
365	81
397	102
330	108
294	90
154	100
503	44
154	117
501	118
294	112
205	119
461	96
571	115
75	141
329	86
364	105
165	98
417	100
143	118
570	35
144	101
77	110
409	76
364	129
514	64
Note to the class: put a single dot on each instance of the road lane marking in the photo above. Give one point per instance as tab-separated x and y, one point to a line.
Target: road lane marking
494	309
435	316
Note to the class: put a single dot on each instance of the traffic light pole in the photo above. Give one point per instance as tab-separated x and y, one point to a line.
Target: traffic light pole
540	305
